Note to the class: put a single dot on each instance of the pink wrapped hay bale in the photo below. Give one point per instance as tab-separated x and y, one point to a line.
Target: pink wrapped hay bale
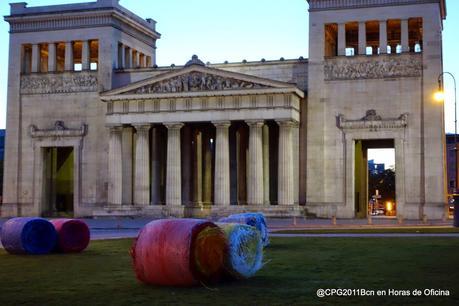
73	235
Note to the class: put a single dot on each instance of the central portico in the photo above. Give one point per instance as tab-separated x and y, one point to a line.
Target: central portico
199	141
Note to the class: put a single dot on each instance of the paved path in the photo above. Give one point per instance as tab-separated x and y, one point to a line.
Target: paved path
368	235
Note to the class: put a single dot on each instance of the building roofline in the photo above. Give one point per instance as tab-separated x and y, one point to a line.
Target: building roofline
20	10
323	5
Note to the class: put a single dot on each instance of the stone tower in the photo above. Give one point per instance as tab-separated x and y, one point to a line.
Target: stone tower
373	69
60	58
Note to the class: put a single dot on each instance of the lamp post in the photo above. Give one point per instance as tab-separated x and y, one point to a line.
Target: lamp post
440	96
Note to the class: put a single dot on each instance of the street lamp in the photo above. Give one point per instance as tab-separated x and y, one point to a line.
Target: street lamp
440	96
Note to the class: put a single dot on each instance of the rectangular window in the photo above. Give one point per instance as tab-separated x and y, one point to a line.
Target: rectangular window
394	36
331	40
415	30
352	38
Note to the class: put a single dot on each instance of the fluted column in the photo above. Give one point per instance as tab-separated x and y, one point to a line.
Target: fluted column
52	57
265	164
173	175
68	62
285	172
35	58
255	175
142	166
115	164
85	56
382	36
341	39
127	144
222	169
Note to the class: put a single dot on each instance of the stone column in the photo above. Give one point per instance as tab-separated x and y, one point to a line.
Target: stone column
155	167
115	162
68	63
255	174
128	57
85	56
222	161
144	61
341	39
137	59
173	175
362	38
122	56
35	58
207	168
52	57
198	168
142	166
285	181
383	36
266	164
405	39
127	143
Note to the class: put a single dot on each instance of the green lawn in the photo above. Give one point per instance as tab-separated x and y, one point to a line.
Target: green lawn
399	230
295	268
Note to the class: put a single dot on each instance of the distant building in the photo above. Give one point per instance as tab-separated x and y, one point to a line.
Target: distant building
374	168
2	144
450	162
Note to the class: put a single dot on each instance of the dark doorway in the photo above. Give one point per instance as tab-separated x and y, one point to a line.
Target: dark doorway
58	181
375	178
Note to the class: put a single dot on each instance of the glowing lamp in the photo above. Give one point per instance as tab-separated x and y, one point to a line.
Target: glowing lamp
439	96
389	206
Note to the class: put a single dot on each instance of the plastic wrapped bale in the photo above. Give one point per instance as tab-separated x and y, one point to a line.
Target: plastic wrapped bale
245	250
254	219
28	236
179	252
72	235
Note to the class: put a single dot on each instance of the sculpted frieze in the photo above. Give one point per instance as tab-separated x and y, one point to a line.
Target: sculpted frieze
373	122
373	67
58	130
196	81
59	83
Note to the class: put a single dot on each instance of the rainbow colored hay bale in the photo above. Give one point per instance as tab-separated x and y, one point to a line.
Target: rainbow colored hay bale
73	235
254	219
28	236
179	252
245	250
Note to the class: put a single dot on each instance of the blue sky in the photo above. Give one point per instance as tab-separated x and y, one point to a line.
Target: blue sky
219	30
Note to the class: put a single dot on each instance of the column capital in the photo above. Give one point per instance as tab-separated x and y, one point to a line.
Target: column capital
286	122
142	126
255	123
221	124
115	128
174	125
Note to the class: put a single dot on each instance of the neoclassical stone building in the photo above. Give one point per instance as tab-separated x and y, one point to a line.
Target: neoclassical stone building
95	128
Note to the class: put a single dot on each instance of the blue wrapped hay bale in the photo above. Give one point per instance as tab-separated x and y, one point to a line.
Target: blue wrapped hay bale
254	219
28	236
245	250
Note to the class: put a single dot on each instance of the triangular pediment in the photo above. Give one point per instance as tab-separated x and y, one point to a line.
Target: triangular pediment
195	79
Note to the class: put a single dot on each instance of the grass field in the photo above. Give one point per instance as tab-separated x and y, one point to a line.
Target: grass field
295	268
391	230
